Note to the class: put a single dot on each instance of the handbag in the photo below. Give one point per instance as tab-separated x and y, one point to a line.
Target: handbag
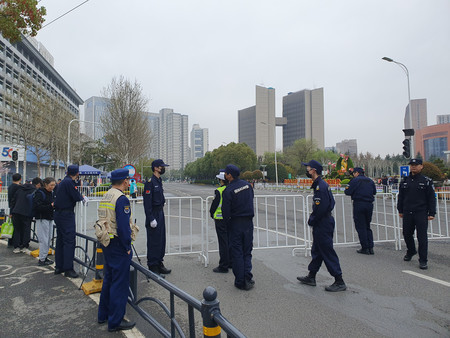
7	229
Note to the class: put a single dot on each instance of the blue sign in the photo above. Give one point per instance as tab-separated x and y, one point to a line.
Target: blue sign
404	170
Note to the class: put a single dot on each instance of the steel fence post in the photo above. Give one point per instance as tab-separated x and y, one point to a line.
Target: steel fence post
133	283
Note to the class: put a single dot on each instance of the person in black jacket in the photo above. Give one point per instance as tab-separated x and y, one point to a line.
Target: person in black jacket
13	187
22	215
416	205
43	206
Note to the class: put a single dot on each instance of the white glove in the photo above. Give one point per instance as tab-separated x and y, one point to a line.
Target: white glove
85	199
153	223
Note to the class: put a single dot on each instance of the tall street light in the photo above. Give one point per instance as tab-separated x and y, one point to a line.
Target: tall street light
405	69
275	146
68	136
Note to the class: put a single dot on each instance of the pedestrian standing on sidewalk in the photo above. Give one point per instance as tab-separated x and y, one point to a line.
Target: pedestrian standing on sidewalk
13	187
221	227
23	215
322	223
43	206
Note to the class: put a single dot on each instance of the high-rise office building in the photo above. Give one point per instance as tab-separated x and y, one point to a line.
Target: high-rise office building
442	119
347	147
304	113
94	108
257	124
171	137
153	124
199	142
419	114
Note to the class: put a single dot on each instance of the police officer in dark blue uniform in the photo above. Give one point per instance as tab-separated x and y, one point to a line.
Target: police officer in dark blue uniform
362	190
117	254
67	196
322	223
416	205
154	219
238	212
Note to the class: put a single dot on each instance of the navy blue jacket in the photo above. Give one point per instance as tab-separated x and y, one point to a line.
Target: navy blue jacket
42	204
237	200
323	201
362	189
416	193
153	198
67	195
20	204
123	214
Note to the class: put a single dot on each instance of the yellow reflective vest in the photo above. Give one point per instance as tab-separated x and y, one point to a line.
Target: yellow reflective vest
218	212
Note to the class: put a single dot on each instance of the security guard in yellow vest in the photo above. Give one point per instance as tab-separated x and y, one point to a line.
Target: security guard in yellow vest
221	228
115	212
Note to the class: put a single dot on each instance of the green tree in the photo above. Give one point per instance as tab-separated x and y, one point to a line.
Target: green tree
282	172
432	171
257	174
20	17
301	151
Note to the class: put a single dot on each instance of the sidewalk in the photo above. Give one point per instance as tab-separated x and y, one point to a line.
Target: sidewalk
37	303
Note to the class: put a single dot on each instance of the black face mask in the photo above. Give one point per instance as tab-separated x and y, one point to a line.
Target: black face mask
308	174
163	170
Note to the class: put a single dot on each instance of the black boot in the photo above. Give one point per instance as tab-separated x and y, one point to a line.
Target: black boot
163	269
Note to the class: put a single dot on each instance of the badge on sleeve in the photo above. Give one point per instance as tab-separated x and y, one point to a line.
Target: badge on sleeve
126	209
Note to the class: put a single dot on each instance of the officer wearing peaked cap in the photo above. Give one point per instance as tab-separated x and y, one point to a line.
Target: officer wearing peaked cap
238	212
154	219
416	205
362	190
322	223
67	196
115	211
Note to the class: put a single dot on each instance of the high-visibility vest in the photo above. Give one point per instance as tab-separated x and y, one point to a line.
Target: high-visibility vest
218	212
107	209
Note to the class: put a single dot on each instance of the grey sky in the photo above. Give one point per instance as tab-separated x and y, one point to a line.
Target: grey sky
203	58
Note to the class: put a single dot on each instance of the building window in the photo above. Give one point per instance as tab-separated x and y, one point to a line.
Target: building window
435	147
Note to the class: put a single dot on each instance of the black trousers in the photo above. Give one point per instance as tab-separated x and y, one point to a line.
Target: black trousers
224	248
416	221
22	231
362	215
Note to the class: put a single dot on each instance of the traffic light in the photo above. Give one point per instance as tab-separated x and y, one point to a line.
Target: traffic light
407	148
15	155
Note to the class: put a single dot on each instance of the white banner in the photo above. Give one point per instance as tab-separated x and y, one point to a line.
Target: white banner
6	152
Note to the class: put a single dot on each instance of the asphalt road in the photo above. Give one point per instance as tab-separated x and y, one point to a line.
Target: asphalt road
386	296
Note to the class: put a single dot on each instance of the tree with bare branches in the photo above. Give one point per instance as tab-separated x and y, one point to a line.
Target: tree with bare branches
124	123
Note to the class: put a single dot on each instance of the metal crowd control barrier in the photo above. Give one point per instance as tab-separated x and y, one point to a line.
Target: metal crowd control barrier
209	308
280	222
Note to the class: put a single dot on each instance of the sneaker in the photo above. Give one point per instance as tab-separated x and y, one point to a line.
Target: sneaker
45	262
371	251
48	261
423	265
155	269
16	250
25	251
307	280
336	286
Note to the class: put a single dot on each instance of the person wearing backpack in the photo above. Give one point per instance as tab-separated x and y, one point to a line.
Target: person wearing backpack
43	206
322	222
22	212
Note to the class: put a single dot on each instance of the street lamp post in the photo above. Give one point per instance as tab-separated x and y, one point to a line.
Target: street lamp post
68	136
405	69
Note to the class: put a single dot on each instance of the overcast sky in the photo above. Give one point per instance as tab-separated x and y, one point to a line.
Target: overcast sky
203	58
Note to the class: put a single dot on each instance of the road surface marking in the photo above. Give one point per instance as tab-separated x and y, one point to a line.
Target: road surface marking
427	277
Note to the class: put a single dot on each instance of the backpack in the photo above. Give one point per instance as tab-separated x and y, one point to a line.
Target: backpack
30	200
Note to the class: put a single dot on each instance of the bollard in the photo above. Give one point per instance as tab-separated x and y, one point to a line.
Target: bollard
209	305
96	284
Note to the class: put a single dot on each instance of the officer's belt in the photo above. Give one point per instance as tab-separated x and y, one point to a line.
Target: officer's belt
64	210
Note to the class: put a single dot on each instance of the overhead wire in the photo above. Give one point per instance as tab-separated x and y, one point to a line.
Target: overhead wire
59	17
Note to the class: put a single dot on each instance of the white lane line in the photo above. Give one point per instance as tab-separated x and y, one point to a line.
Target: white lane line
428	278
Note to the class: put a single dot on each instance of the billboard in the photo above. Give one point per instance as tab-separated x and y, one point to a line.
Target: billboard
6	152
